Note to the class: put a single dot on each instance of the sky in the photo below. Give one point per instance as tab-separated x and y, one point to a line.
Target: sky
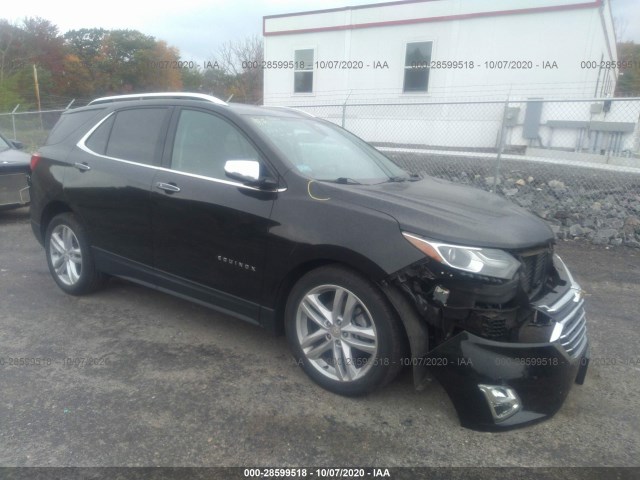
198	27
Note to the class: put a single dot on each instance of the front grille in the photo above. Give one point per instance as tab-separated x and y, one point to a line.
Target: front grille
14	189
494	328
574	329
535	269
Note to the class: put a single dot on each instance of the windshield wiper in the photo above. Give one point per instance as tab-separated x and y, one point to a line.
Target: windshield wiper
411	177
347	181
398	179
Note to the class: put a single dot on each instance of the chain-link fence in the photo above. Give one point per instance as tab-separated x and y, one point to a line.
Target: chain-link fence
31	128
575	163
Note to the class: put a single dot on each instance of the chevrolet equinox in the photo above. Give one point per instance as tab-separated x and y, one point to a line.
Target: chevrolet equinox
289	222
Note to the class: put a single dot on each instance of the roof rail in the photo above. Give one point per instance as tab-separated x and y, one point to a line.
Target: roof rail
159	96
293	109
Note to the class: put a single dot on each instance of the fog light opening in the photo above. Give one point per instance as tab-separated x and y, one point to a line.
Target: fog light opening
503	401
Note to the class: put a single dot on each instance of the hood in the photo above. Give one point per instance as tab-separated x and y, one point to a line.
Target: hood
14	161
451	212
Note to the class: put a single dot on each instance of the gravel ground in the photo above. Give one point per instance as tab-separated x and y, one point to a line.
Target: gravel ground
176	384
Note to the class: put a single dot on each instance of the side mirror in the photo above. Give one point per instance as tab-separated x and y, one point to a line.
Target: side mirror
247	171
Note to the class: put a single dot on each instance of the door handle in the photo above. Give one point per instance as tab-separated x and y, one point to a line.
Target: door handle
83	167
168	187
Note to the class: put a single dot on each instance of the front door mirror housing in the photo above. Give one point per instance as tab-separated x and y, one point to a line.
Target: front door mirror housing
247	171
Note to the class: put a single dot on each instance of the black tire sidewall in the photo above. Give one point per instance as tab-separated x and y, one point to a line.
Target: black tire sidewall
88	276
384	317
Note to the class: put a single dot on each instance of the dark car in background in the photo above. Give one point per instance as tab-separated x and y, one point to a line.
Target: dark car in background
14	172
294	224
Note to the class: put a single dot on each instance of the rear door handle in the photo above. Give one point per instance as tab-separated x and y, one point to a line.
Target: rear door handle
83	167
168	187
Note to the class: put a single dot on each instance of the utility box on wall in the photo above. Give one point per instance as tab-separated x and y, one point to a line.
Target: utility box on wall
532	115
511	119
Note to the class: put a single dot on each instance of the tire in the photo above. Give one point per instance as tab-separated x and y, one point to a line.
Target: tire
69	256
351	349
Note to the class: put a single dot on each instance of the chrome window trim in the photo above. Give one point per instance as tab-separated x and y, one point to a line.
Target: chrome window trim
82	146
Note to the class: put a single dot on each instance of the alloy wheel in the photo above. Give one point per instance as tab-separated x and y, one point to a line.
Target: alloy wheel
336	333
65	254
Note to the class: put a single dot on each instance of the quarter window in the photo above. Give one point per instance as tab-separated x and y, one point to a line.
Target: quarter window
416	66
204	142
303	71
97	142
70	122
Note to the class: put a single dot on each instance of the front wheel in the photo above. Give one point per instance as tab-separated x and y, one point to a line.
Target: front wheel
343	331
69	256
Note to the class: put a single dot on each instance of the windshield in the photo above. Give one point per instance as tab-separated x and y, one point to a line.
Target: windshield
322	151
3	145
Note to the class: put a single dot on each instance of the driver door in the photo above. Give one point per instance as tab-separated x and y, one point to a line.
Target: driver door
209	231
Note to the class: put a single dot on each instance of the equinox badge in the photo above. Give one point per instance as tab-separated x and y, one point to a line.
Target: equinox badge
236	263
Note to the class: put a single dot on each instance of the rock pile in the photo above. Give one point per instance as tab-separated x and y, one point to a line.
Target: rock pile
604	217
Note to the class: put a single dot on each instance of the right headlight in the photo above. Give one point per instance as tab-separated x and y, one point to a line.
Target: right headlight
483	261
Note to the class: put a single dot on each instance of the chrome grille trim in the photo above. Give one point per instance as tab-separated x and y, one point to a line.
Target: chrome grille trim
570	328
573	325
580	346
574	331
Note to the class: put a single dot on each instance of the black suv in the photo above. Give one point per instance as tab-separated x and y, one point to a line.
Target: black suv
292	223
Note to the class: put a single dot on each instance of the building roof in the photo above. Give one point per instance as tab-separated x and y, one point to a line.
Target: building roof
337	19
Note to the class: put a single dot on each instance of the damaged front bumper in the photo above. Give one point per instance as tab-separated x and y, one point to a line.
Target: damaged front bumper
497	386
502	384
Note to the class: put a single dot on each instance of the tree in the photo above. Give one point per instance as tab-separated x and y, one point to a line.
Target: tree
193	79
628	84
76	80
217	82
241	62
44	47
10	43
121	61
10	46
9	96
86	43
157	68
82	63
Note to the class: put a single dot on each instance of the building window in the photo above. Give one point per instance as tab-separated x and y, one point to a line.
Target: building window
416	67
303	71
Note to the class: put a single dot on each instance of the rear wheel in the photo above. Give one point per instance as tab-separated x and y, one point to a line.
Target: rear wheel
343	331
69	256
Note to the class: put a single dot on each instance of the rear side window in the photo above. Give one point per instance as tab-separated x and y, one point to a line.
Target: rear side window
69	122
97	142
136	134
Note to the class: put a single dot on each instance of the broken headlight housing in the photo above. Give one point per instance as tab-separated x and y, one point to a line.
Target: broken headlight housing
482	261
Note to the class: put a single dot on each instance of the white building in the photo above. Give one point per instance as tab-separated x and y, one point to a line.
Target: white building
474	48
449	56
